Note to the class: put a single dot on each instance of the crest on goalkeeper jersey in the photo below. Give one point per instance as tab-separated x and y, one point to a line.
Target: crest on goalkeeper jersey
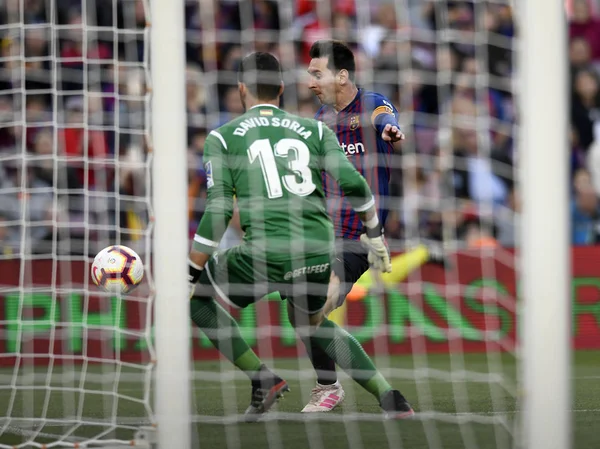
209	174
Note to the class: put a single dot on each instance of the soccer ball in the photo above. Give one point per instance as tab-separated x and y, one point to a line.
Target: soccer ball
117	269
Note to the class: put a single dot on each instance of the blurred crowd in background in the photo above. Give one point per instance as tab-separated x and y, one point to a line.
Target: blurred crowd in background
74	110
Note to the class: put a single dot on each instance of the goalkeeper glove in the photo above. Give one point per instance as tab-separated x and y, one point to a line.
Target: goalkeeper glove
193	276
379	254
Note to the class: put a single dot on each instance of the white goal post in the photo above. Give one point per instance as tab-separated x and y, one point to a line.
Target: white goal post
545	259
172	311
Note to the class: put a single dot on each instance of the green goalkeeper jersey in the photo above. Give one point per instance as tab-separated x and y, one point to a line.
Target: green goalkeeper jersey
272	163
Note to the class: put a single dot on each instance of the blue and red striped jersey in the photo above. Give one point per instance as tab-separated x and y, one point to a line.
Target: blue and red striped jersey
358	128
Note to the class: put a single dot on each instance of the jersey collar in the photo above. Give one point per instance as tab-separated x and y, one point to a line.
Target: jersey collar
263	105
358	94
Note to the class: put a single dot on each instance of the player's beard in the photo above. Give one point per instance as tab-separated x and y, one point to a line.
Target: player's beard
326	99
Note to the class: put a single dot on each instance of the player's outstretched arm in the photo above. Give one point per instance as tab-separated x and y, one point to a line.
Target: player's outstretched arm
384	119
219	205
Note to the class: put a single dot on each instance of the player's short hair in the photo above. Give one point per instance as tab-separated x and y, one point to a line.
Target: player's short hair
261	73
339	55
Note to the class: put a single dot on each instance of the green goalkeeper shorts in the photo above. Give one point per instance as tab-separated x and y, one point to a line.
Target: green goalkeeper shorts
241	279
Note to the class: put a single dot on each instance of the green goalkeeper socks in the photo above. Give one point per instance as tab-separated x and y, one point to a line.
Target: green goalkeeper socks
224	333
350	356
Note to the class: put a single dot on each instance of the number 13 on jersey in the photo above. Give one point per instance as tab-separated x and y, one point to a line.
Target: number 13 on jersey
299	165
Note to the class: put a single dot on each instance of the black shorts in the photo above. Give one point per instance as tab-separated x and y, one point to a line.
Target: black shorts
351	261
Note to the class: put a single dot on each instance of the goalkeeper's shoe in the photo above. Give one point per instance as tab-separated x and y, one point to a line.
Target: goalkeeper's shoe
325	398
395	406
266	391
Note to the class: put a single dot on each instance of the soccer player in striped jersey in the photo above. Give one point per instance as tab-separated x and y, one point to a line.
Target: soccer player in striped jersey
366	125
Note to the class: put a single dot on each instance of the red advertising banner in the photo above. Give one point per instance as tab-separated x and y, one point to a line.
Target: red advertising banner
50	309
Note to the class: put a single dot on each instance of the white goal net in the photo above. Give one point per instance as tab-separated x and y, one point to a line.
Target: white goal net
76	365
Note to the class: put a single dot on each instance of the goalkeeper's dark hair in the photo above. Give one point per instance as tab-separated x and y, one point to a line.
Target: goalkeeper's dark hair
339	56
261	73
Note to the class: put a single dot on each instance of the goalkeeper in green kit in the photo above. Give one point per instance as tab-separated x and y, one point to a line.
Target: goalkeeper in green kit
272	161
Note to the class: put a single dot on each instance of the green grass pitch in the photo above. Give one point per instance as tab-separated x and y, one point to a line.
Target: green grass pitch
454	412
